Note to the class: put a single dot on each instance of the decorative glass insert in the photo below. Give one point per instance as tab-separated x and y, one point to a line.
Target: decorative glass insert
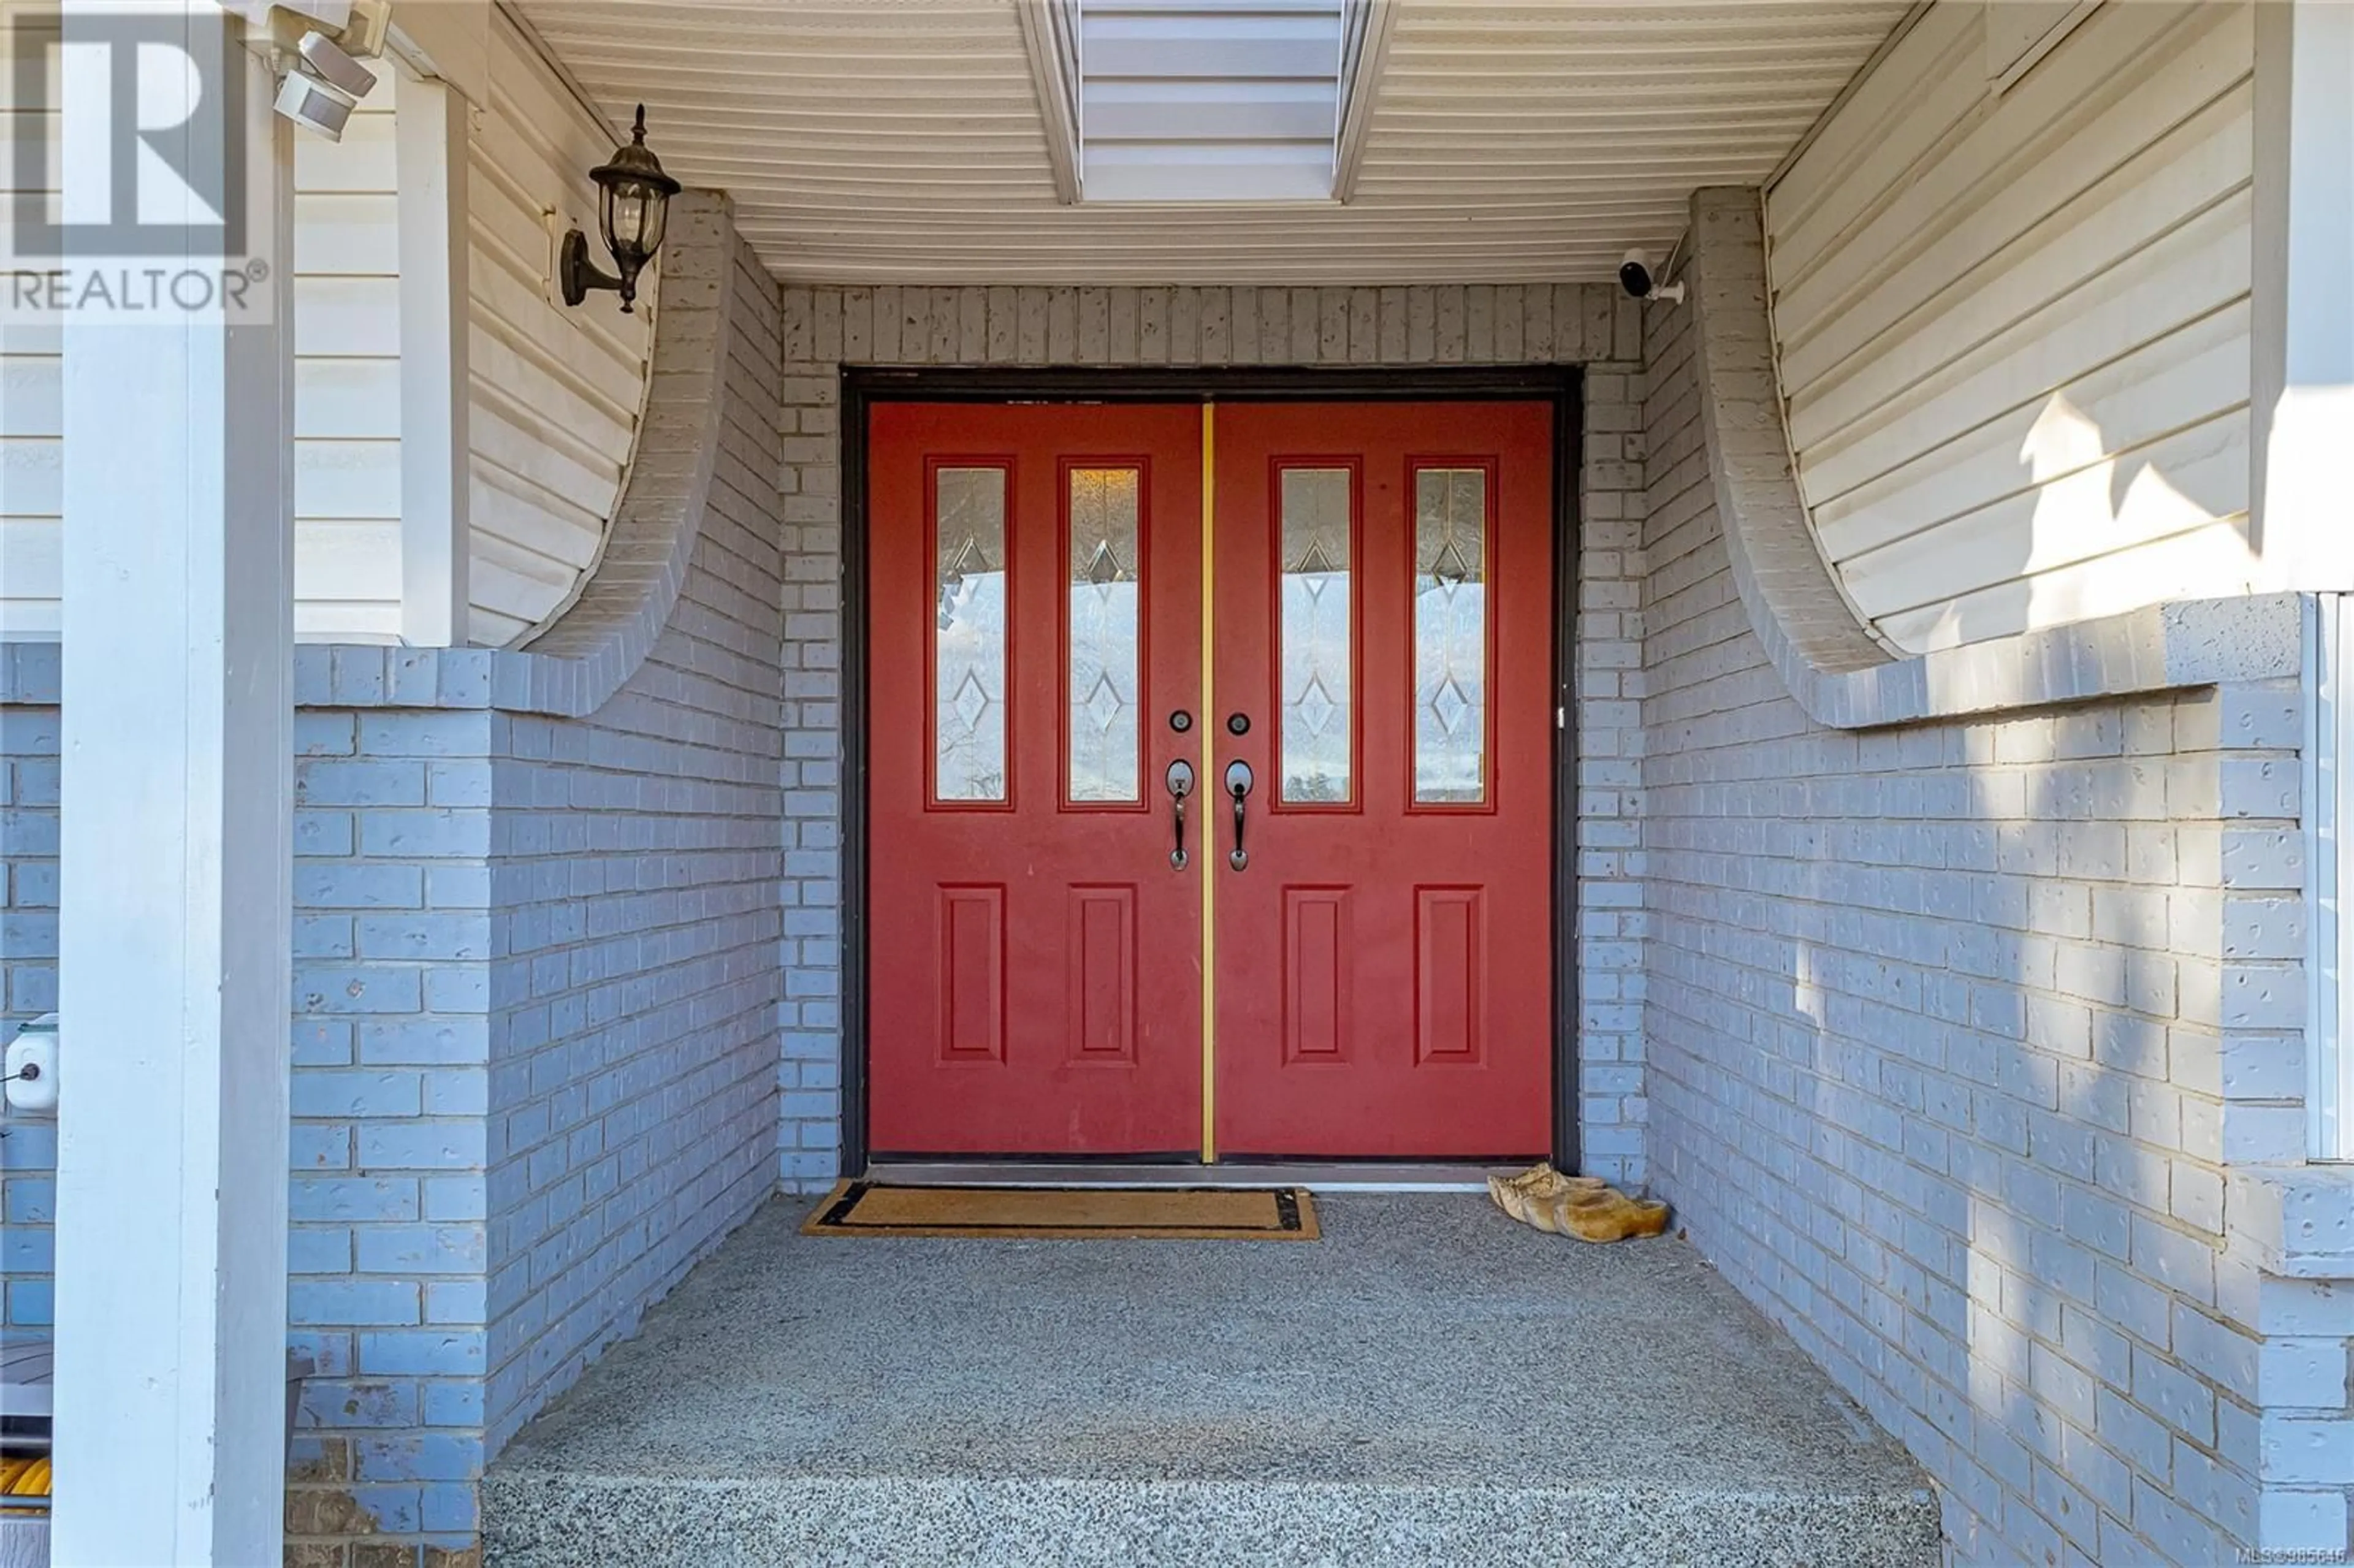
1316	718
1107	591
968	643
1450	635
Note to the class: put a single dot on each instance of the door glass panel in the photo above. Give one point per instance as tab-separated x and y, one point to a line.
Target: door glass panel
1317	718
969	639
1107	594
1450	635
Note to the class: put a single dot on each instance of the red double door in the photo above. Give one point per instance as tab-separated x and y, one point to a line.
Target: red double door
1210	794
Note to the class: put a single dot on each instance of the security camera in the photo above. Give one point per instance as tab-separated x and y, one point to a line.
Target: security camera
1635	277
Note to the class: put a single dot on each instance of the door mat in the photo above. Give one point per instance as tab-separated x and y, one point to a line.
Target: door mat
1067	1213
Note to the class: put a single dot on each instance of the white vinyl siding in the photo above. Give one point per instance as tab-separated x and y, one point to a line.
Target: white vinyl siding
347	380
32	479
346	408
2013	325
32	412
557	392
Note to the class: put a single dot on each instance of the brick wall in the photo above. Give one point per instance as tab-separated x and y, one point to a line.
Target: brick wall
636	866
1590	324
537	980
1954	1030
29	970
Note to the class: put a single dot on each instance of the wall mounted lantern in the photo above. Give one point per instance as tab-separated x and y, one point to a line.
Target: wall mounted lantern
634	199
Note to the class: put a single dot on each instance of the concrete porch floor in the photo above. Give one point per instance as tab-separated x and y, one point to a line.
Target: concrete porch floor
1428	1383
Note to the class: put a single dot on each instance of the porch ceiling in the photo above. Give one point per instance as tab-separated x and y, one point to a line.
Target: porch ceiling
1523	141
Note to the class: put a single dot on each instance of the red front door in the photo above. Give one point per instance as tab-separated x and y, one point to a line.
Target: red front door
1382	622
1036	613
1376	948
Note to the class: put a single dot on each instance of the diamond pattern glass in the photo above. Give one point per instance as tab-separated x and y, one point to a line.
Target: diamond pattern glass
1316	718
1450	636
969	640
1107	591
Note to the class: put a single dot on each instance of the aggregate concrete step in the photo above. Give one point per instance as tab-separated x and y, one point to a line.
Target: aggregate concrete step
1428	1383
563	1521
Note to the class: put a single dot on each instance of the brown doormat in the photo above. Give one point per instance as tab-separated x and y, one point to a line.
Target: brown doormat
1067	1213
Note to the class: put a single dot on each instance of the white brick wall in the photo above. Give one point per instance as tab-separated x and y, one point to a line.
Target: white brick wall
1589	324
1953	1028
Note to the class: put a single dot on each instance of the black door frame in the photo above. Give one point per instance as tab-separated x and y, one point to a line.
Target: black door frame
863	386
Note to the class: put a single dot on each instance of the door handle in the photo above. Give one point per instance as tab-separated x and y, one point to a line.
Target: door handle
1180	784
1238	785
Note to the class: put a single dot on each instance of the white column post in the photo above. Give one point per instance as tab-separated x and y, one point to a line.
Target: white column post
174	952
432	131
2302	518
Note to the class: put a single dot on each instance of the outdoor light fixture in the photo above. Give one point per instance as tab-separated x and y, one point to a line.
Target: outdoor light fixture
634	200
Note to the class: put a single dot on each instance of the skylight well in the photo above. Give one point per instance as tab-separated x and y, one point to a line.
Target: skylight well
1205	100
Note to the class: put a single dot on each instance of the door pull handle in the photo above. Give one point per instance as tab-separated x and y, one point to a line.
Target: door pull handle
1180	784
1238	785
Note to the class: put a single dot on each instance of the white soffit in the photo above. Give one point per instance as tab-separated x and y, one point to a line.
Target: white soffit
902	141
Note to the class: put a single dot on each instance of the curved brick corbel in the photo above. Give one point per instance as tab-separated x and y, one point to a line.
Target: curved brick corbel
587	653
1837	669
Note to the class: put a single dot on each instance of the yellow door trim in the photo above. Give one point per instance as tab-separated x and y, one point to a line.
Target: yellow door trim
1206	858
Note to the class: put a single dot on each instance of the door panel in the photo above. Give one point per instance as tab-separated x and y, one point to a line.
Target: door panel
1035	591
1385	950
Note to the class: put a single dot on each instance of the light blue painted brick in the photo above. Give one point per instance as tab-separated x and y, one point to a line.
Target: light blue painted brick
32	1304
423	1352
447	1198
395	1508
356	988
27	1250
314	1249
320	733
35	782
31	1200
424	937
28	834
323	833
353	1301
427	1041
360	783
358	1094
36	884
459	783
29	1146
457	988
357	887
420	1249
354	1199
449	1508
426	834
421	1146
425	734
317	1148
458	886
33	990
421	1456
321	1043
452	1404
458	1091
